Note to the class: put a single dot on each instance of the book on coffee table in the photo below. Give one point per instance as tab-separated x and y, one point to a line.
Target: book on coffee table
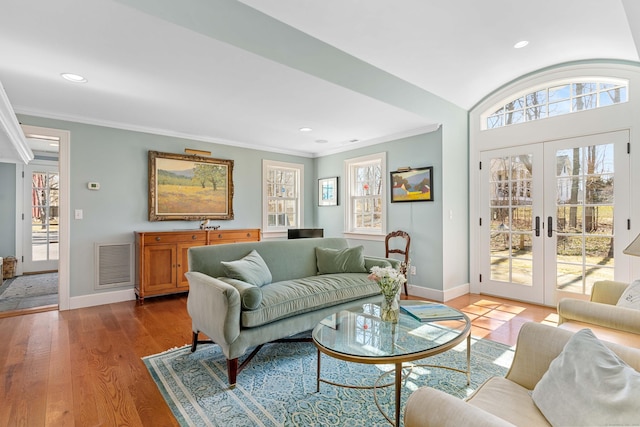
431	312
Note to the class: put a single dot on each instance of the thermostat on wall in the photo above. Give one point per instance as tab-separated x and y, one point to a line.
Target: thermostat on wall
93	185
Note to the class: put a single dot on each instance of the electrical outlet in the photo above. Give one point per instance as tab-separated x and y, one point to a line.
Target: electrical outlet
413	270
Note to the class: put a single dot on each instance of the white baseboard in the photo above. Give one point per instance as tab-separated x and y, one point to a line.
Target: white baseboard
439	295
102	298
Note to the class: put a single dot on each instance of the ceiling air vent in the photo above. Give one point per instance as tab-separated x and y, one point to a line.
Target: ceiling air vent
113	265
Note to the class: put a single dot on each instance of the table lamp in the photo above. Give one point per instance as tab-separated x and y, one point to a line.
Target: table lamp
634	247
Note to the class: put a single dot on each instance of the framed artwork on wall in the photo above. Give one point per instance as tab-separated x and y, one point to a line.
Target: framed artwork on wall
189	188
328	191
412	185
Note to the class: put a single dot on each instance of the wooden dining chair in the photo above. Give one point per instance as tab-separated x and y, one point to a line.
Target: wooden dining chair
395	235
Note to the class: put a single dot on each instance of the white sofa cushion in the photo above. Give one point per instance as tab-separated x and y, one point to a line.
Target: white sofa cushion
587	385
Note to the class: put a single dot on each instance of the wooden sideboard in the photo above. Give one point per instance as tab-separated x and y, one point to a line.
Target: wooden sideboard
161	257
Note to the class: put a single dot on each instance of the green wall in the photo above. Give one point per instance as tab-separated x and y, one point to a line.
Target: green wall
117	159
422	220
7	209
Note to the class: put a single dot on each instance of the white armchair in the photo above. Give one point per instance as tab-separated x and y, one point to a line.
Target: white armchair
607	321
503	401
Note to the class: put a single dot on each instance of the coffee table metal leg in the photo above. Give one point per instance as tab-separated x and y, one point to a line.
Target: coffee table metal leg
318	374
398	392
469	359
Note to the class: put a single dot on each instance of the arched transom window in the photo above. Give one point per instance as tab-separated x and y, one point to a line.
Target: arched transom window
555	99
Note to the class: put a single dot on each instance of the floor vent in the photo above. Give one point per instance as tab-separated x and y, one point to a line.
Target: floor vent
113	265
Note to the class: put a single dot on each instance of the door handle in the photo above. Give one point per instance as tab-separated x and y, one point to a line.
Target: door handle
537	229
550	226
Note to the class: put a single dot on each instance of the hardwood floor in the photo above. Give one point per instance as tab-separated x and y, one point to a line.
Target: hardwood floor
83	367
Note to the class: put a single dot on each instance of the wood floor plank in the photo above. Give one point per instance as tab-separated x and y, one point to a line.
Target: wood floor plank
59	410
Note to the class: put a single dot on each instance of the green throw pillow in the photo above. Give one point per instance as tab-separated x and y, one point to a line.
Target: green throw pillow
251	269
250	295
349	260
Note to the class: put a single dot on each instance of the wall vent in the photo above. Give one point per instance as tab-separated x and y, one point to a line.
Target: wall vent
113	265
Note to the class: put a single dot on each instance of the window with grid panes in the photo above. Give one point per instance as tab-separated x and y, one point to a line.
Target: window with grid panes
365	195
282	195
555	99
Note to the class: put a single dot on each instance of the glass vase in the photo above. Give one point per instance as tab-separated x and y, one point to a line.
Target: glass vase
390	307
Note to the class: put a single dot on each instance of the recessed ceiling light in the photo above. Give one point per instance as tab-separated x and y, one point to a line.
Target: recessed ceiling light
75	78
521	44
305	129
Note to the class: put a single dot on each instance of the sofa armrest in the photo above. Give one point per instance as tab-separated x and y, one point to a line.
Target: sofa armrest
214	307
536	347
607	291
430	407
595	313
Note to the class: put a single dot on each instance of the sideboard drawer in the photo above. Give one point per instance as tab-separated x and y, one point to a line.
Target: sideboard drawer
182	237
230	236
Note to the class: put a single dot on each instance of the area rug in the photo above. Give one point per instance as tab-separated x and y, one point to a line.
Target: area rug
29	291
278	387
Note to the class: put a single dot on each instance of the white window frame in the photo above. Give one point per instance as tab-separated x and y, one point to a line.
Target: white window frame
547	86
350	229
281	231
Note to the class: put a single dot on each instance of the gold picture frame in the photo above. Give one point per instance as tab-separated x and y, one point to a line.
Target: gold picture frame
189	188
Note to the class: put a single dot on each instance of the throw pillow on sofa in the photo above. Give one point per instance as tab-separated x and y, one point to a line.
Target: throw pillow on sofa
251	269
588	385
250	295
630	298
348	260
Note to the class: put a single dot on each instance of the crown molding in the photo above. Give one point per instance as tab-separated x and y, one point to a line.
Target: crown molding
11	134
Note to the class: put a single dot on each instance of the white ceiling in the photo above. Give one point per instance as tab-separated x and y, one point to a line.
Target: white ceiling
237	73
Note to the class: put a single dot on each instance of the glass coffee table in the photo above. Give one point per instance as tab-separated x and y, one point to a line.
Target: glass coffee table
360	336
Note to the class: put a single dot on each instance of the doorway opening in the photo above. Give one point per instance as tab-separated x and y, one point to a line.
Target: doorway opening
41	281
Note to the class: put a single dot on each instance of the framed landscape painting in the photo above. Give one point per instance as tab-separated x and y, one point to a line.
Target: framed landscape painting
412	185
189	188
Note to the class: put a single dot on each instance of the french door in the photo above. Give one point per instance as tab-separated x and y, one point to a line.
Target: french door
41	218
550	213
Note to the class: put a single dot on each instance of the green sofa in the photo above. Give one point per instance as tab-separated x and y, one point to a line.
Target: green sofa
298	291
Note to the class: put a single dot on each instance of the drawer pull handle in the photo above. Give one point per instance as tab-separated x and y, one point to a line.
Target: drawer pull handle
194	237
158	239
248	234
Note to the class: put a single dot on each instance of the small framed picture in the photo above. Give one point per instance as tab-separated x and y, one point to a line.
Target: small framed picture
412	185
328	191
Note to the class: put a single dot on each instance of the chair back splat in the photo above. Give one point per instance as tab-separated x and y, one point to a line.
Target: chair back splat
394	236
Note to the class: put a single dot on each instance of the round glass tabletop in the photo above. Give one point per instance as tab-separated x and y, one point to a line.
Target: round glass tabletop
358	335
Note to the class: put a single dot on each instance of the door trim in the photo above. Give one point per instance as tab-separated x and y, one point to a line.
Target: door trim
64	156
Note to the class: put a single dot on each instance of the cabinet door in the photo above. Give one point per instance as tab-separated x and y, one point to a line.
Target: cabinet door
183	263
160	263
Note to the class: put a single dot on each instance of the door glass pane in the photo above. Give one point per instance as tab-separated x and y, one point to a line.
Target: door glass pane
44	216
584	221
511	222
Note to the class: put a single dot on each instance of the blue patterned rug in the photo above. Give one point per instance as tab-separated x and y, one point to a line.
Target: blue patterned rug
278	387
